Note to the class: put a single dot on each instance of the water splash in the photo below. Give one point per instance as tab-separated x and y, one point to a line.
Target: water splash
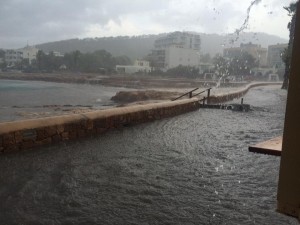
245	23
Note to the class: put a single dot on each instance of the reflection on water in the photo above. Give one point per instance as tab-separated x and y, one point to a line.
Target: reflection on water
190	169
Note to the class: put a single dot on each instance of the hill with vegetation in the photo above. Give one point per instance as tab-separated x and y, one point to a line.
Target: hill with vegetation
137	47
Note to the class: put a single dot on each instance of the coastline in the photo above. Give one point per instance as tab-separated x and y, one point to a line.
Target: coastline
139	90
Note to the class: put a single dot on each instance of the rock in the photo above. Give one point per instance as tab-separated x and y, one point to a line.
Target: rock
135	96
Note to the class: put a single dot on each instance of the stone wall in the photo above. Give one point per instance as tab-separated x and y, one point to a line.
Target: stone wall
21	135
221	98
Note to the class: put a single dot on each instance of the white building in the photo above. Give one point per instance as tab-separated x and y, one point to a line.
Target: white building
178	48
183	39
139	66
29	52
13	56
176	56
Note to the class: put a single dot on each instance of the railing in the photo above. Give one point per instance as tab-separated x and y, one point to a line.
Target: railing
190	94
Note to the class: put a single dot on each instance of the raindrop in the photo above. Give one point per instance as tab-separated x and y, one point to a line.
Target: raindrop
216	192
239	181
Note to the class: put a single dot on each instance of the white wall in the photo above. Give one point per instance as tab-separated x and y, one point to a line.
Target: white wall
176	56
132	69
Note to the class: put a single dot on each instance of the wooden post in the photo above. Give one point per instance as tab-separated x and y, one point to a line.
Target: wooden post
242	101
190	94
208	94
288	194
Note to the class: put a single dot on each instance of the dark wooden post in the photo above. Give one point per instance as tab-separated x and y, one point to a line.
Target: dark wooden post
288	194
190	94
242	101
208	94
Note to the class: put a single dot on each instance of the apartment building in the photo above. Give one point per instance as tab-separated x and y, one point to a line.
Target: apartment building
178	48
13	56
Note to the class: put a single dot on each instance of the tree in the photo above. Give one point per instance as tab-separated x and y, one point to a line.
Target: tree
2	53
72	60
205	58
287	55
238	66
183	71
221	65
122	60
242	65
3	65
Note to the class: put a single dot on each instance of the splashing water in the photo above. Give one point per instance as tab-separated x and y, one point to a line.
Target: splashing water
245	23
236	36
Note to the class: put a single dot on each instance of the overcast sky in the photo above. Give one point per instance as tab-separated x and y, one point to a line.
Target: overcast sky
39	21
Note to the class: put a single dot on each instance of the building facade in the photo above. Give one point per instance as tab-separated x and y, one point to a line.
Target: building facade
13	56
175	56
29	52
178	48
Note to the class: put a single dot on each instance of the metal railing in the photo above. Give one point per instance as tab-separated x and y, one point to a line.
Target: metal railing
190	94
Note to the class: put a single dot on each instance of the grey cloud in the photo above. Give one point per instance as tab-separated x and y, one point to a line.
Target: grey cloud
48	20
39	21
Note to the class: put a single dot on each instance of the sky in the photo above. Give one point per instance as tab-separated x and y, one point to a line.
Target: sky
40	21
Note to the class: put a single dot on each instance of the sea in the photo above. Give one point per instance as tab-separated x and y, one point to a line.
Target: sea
30	99
194	168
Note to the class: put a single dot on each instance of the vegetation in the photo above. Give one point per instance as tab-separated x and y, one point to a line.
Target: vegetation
98	61
139	46
240	66
287	54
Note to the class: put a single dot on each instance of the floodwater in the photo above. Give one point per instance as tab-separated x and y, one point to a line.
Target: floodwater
190	169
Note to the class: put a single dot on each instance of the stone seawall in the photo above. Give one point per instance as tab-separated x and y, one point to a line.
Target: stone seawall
225	97
21	135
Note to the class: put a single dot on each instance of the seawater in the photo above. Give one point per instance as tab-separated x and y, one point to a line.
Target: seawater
21	97
190	169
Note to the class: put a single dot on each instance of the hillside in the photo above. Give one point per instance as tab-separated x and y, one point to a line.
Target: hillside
140	46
